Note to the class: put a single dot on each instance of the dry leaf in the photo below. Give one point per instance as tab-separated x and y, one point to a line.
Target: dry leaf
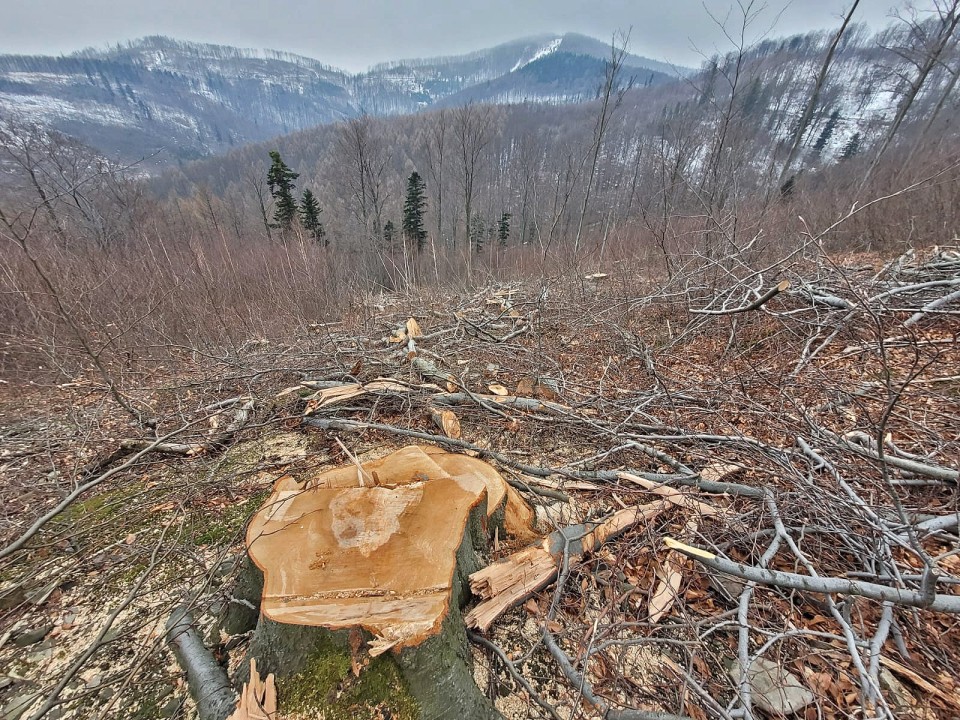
532	607
130	539
498	389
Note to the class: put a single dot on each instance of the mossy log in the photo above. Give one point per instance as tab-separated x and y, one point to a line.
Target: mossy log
365	570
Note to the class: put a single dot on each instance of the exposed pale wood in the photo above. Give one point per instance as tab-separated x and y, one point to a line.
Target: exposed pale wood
341	393
508	583
668	586
378	554
480	475
513	579
519	517
258	699
447	421
671	495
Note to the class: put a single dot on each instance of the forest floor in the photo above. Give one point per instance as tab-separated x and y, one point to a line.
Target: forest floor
827	419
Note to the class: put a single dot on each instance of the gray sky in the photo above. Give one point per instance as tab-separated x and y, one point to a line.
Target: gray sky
354	34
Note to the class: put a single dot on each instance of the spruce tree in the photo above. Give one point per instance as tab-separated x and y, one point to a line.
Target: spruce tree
503	229
310	217
826	133
280	180
413	208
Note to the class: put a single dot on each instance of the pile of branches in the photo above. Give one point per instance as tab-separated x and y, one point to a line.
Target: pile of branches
797	428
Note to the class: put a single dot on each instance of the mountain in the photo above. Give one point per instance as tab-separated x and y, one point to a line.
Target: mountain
546	68
184	100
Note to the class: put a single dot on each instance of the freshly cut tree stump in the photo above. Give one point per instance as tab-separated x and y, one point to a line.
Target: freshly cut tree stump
367	559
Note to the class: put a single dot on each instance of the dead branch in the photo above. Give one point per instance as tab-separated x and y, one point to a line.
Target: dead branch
600	475
820	585
207	681
755	305
513	579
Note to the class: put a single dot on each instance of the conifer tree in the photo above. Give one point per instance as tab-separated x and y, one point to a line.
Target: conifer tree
280	179
503	229
310	217
413	208
477	232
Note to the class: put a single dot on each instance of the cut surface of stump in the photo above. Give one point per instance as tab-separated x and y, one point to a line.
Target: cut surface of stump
374	548
379	549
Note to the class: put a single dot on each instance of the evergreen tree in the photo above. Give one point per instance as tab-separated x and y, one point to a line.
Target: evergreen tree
852	147
413	208
477	232
827	132
503	229
280	179
389	235
310	217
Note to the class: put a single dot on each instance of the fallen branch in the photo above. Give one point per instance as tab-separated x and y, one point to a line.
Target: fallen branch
722	488
513	579
206	680
755	305
930	307
820	585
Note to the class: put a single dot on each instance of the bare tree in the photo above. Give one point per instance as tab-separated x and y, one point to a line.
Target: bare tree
434	149
256	180
472	126
933	38
368	160
611	95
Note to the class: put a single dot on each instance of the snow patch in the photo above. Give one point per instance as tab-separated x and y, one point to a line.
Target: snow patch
550	47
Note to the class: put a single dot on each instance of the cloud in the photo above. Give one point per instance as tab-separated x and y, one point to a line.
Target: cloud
357	33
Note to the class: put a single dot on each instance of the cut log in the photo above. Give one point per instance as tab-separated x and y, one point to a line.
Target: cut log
365	570
206	680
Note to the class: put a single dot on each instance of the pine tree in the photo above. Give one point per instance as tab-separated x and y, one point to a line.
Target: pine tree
310	217
503	229
413	208
280	179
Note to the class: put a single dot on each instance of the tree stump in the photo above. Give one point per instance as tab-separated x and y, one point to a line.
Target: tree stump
364	570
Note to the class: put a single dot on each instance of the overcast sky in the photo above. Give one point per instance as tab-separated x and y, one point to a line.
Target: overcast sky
354	34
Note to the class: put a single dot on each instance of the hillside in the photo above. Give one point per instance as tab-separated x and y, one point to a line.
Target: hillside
188	100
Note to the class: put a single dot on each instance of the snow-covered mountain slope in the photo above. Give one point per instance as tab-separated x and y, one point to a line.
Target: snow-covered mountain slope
184	100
